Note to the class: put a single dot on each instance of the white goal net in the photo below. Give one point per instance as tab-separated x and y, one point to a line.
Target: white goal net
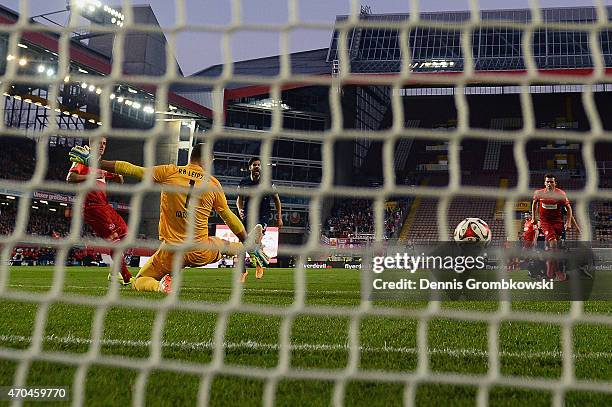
140	130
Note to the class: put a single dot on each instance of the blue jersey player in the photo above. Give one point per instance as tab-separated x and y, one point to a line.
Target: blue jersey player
264	215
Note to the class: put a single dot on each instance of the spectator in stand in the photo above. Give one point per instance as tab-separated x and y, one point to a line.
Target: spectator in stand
356	216
18	159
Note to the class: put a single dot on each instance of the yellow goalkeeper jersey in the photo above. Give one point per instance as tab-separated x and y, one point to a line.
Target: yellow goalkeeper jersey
174	206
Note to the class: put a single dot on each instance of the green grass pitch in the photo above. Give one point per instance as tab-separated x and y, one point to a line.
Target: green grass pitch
527	349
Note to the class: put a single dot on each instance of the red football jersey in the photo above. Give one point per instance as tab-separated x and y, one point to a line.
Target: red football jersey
551	203
97	196
529	229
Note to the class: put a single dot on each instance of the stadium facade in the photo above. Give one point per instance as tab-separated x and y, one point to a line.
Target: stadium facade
28	103
375	50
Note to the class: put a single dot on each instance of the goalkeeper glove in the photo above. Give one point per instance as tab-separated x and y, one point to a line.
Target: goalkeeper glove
257	254
79	155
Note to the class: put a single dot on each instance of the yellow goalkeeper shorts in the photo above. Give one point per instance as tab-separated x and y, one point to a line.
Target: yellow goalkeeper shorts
160	263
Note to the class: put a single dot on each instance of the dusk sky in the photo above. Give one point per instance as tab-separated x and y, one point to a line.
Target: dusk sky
199	50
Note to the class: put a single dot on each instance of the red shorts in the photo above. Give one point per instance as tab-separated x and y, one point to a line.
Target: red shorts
552	231
105	222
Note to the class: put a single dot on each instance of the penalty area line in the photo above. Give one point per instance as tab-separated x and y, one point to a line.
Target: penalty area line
259	346
201	289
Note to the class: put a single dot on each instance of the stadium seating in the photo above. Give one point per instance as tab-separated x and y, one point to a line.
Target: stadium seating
602	221
18	159
41	222
507	165
45	256
349	217
485	165
485	179
425	226
355	216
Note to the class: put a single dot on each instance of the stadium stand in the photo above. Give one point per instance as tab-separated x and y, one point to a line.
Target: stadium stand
424	226
46	256
602	221
352	217
18	159
42	221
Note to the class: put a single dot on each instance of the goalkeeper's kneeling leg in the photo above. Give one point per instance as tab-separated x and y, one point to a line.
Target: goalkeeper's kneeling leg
152	272
142	283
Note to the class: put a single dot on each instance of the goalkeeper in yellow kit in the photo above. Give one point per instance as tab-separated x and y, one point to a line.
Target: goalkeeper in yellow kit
173	217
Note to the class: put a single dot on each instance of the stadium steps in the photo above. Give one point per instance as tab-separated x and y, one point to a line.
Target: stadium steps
402	152
420	226
405	211
409	220
498	227
499	205
403	146
494	147
492	154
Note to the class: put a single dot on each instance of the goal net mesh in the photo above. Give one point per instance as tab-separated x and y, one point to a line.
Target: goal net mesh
357	315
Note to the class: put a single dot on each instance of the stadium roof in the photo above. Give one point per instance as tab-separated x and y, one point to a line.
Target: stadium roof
523	15
144	52
302	63
376	48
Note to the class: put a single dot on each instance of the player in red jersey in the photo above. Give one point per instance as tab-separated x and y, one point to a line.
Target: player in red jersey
530	228
547	206
97	212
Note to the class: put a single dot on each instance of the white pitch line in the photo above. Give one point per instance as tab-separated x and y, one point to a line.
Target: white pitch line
224	289
253	345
